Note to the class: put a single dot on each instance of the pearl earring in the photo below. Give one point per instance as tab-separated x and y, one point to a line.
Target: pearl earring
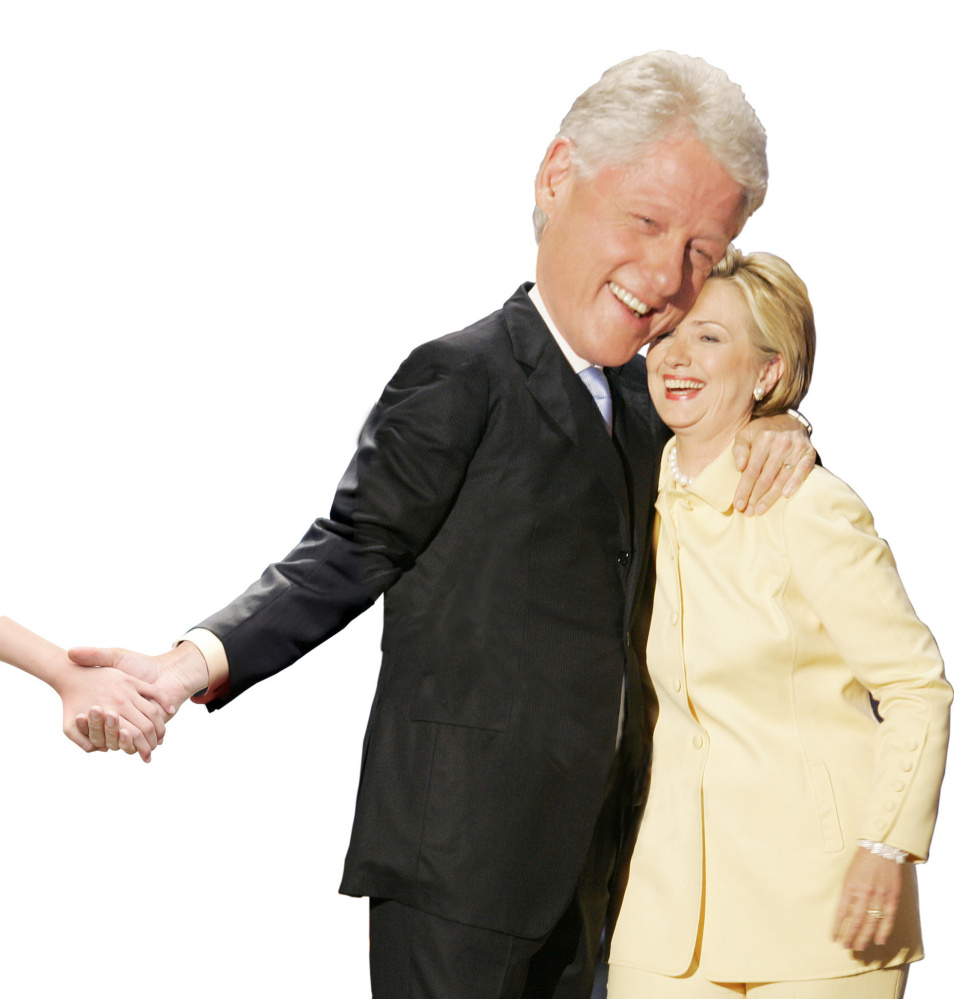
758	393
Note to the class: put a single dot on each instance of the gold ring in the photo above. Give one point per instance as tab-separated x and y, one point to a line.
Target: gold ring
876	913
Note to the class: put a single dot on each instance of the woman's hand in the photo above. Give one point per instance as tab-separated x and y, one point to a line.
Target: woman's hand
869	901
125	703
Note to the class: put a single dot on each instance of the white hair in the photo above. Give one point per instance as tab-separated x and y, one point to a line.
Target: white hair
648	97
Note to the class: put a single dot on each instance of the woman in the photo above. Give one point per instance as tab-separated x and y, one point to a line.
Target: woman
776	847
123	700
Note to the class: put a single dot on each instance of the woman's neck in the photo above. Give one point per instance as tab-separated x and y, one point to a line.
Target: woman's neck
697	451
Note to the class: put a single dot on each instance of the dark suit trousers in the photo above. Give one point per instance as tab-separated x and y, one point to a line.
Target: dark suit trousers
415	955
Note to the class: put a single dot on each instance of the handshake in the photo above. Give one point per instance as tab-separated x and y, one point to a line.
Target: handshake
137	695
112	698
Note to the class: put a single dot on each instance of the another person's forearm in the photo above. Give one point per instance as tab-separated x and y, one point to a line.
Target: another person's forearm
34	655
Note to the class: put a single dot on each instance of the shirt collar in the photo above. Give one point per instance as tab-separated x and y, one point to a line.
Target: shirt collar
577	363
715	484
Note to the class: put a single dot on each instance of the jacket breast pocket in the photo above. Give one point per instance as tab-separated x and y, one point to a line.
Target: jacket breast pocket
483	705
831	835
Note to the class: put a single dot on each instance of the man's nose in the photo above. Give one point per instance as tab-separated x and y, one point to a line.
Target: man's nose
665	268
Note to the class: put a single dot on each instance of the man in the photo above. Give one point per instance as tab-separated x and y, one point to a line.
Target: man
501	499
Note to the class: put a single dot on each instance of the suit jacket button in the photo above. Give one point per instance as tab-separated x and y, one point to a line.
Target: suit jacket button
623	558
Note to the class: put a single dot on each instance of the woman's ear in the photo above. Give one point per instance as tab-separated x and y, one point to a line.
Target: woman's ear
772	371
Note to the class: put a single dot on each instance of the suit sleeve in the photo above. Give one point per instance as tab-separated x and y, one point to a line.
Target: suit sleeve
849	577
411	462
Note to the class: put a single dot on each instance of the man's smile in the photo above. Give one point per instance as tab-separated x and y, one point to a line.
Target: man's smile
629	299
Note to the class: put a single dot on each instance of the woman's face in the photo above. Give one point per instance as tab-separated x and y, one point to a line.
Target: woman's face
703	375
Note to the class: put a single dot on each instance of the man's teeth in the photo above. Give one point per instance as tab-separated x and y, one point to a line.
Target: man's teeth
683	384
629	300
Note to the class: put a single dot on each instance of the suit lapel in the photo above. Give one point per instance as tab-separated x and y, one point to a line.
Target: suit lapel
561	394
634	426
641	451
538	354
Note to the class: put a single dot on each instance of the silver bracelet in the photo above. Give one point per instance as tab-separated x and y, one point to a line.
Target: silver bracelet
883	850
796	415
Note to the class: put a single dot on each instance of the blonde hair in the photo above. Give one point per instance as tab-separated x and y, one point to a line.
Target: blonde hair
783	323
651	96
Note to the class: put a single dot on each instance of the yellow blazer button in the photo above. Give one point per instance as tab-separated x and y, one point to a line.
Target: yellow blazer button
910	745
673	618
697	741
677	685
899	785
907	766
889	806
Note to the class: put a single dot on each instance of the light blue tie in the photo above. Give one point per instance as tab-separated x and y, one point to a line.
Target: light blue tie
595	380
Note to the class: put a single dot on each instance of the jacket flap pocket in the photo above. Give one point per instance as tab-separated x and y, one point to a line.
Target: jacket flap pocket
484	705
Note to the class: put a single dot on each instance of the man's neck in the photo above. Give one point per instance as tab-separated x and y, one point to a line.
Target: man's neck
577	363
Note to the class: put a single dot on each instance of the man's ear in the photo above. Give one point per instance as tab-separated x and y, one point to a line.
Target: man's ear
554	174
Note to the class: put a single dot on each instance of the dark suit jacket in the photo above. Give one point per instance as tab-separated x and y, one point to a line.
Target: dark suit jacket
509	534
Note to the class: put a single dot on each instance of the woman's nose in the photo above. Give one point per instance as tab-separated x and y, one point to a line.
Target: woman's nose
677	353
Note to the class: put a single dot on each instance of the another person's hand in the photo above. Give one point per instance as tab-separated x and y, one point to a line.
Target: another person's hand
775	455
128	705
173	677
869	901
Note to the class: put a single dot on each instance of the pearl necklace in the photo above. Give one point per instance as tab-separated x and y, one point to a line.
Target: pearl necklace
683	480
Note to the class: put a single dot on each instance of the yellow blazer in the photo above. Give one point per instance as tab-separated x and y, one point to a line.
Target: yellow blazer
767	634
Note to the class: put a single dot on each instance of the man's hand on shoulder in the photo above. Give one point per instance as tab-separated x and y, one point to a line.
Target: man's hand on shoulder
775	455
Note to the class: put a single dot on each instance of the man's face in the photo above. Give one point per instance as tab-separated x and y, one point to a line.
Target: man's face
627	249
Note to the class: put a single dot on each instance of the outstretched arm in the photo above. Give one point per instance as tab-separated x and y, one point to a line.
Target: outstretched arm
171	678
774	455
138	722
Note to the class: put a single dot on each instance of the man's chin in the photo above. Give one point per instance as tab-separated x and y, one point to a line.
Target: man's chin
616	355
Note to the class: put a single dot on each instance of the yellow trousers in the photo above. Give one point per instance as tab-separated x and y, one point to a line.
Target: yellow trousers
630	983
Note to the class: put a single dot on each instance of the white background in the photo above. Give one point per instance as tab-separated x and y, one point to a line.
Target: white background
222	226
